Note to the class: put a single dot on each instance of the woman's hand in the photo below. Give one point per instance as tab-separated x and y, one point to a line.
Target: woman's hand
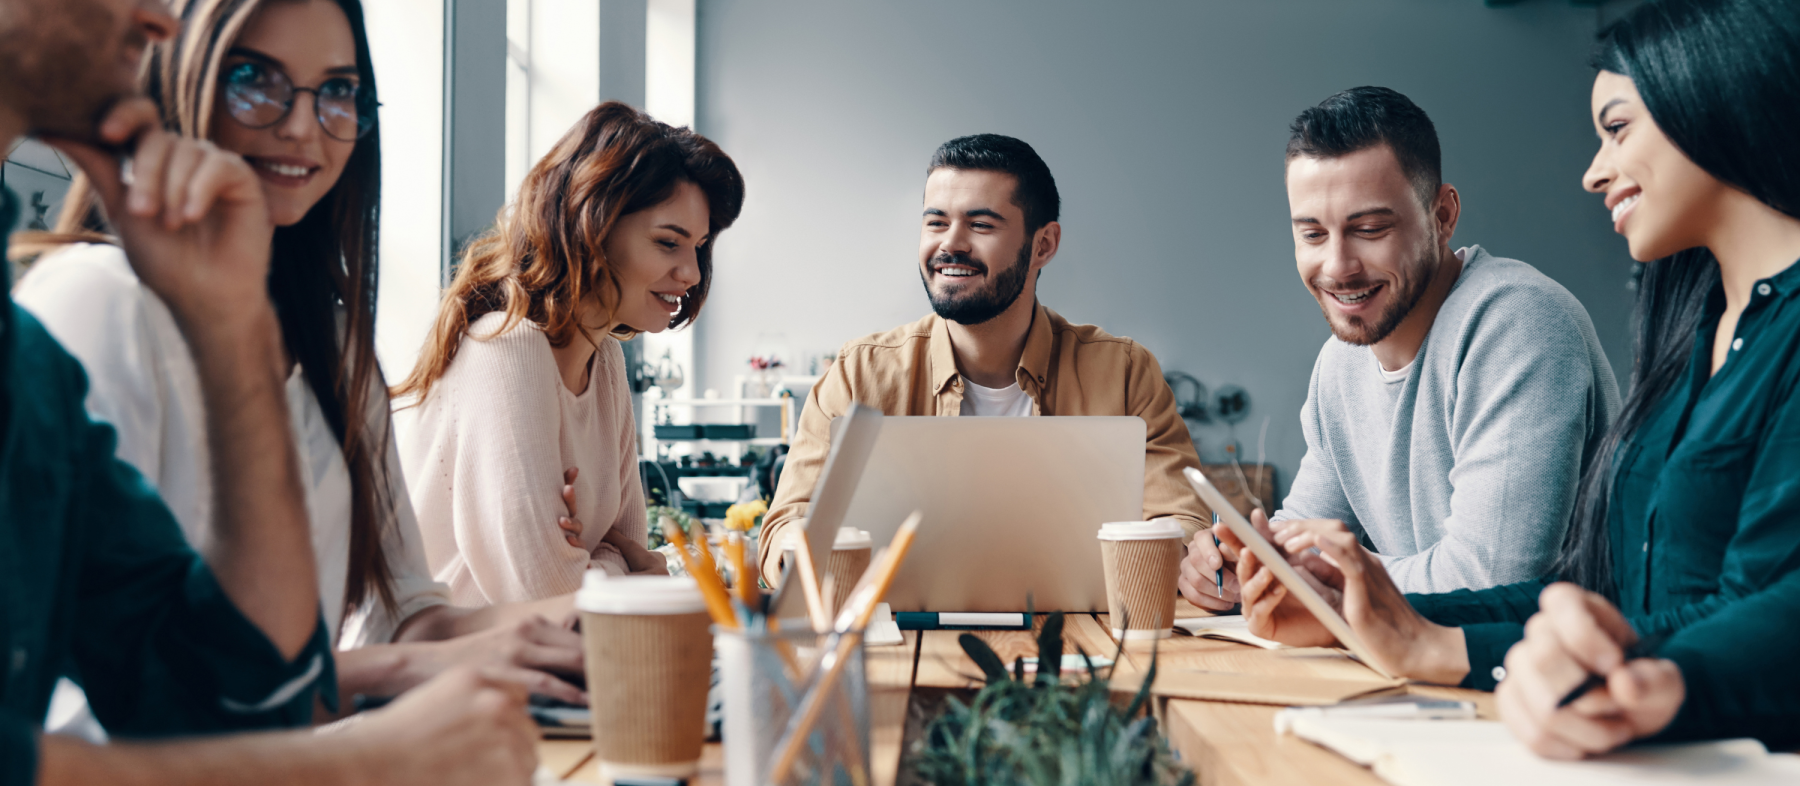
1402	640
1200	571
638	558
1269	608
543	656
570	525
1575	634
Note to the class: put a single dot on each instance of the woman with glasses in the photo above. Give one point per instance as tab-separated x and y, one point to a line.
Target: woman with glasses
1673	608
288	85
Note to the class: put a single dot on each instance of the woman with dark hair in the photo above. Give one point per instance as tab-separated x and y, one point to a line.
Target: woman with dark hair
289	86
523	376
1679	580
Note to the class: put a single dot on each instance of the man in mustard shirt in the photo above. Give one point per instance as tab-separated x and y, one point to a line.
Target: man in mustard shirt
990	348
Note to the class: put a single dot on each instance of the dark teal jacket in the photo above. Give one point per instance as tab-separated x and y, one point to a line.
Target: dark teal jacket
1705	534
96	580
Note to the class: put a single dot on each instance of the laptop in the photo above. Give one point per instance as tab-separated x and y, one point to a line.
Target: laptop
1011	507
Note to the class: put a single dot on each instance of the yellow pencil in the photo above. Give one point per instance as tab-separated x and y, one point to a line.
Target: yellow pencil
809	586
718	604
858	610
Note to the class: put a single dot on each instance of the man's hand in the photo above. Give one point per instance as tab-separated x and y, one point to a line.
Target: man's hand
464	727
1404	641
1577	633
191	217
1200	570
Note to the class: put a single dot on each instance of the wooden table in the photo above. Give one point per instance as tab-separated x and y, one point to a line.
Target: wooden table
1225	743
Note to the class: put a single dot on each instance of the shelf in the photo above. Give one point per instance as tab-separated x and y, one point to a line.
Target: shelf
750	441
718	402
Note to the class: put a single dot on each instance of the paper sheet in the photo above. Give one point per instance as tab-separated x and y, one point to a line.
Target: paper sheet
1231	628
1439	753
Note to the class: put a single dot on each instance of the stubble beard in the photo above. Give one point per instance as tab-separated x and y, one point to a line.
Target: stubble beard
1408	290
981	305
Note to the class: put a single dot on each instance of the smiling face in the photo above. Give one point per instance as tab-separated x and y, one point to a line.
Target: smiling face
1365	246
655	255
66	61
309	41
975	256
1660	200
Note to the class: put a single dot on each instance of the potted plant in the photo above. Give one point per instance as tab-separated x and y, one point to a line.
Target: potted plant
1045	730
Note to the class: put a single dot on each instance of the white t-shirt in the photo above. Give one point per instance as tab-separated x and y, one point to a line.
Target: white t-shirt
1006	402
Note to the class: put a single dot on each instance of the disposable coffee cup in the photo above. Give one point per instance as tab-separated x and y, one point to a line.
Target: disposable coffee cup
1143	562
849	559
649	664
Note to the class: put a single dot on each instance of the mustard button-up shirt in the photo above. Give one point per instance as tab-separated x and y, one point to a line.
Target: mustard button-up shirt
1067	369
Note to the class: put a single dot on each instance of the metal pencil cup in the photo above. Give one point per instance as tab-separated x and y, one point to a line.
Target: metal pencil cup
769	679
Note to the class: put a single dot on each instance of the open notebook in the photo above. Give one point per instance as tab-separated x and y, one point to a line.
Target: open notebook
1440	753
1232	627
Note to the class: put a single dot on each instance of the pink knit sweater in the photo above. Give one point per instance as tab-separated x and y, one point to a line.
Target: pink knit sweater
484	456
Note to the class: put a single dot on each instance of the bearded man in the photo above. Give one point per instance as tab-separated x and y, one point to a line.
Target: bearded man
990	349
1461	395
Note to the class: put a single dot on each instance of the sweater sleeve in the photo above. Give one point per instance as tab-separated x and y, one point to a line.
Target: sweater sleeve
1316	492
506	485
1528	403
1492	620
414	588
91	302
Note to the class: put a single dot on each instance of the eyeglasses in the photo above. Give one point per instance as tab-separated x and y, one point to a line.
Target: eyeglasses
260	96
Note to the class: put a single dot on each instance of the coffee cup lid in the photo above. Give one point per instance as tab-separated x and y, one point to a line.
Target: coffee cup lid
852	538
1141	530
603	594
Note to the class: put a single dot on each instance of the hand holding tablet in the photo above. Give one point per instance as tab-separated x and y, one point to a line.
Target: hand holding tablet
1375	623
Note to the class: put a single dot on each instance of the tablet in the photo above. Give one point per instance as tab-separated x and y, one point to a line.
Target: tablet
1284	572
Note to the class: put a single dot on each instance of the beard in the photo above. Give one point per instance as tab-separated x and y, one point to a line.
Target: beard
61	61
1408	289
971	306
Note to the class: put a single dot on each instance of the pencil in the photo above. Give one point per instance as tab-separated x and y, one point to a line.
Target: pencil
718	604
857	610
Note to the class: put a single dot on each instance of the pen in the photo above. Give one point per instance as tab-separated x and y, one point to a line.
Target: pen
1218	575
1644	648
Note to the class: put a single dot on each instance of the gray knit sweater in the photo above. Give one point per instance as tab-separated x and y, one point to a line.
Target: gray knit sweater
1463	474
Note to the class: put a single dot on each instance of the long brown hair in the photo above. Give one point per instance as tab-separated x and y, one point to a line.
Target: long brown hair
545	253
319	267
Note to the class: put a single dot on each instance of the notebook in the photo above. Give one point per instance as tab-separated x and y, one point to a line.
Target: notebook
1439	753
1231	627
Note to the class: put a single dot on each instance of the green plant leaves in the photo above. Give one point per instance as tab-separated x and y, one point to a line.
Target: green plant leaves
985	657
1046	732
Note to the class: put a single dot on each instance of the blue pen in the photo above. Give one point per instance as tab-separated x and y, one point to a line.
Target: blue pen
1218	575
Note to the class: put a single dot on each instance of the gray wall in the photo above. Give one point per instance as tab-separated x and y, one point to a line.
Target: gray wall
1164	124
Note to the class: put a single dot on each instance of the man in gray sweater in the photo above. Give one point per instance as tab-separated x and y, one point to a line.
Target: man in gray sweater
1461	396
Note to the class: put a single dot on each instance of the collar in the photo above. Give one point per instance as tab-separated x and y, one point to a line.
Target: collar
1034	364
1787	282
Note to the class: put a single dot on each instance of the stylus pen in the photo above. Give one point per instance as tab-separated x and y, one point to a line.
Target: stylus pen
1218	575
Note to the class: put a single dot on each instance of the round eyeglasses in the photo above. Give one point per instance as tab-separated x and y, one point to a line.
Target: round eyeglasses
260	96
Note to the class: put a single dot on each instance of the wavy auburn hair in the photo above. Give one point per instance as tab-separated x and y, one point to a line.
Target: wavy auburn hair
322	270
546	253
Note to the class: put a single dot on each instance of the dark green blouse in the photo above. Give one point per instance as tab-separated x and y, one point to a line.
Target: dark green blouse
1705	530
97	580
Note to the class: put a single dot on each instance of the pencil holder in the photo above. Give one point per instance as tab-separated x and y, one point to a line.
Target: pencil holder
769	680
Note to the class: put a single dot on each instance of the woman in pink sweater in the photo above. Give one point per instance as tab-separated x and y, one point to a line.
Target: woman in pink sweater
523	376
